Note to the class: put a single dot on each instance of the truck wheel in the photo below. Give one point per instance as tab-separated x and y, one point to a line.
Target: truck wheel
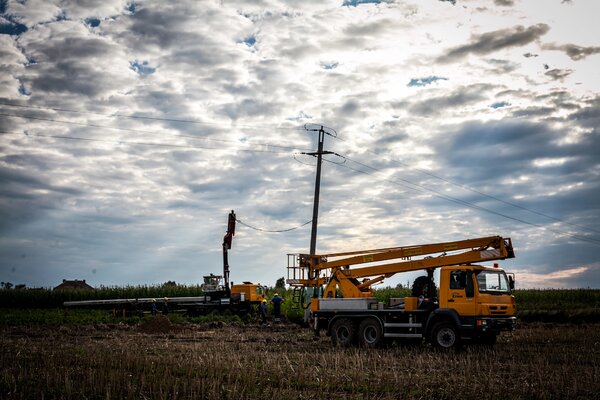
369	333
444	336
342	332
420	287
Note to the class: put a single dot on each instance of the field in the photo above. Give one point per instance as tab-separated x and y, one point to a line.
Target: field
89	354
157	359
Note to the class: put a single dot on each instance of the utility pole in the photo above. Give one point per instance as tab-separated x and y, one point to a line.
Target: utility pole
319	154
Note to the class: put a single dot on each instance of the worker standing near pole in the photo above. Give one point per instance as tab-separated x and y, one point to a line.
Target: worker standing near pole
262	309
165	307
277	300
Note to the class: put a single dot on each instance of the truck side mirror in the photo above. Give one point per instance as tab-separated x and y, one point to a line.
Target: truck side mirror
511	282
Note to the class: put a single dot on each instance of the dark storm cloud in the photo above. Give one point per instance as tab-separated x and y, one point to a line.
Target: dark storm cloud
495	150
350	107
459	97
248	107
492	41
561	99
534	111
503	66
154	26
72	49
20	201
575	52
370	29
558	74
70	65
504	3
68	78
390	139
493	157
589	116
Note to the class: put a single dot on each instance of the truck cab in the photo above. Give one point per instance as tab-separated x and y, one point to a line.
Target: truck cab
481	297
248	291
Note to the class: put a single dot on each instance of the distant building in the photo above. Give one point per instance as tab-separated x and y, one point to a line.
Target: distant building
73	285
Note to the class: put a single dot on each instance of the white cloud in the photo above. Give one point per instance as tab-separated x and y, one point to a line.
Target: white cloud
147	126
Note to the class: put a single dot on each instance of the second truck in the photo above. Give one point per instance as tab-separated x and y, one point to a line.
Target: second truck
218	295
474	304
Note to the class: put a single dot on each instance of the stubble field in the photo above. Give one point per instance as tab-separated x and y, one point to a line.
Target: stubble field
160	360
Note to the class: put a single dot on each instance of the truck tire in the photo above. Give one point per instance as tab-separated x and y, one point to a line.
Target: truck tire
369	333
420	286
445	336
343	332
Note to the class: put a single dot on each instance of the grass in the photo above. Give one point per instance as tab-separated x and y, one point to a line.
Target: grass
283	361
45	307
91	354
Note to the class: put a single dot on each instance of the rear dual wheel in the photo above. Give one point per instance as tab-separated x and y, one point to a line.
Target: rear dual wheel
343	332
369	333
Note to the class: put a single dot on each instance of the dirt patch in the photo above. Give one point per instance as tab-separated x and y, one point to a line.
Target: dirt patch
158	324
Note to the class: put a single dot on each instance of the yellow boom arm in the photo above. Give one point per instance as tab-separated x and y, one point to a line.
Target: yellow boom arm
346	279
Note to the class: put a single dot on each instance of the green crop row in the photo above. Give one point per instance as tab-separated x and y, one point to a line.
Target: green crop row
531	300
48	298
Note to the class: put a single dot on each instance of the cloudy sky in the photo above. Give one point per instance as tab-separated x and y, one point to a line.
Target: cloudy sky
129	130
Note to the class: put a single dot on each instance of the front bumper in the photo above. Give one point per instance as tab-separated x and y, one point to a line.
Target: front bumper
486	324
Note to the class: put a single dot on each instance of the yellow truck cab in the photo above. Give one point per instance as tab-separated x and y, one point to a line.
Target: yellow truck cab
482	299
248	291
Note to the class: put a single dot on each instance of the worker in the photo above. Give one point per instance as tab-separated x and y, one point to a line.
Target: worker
262	309
165	307
153	307
277	300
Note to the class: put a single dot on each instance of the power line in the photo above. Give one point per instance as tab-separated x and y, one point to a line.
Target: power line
474	206
64	137
273	231
425	189
143	131
141	117
483	193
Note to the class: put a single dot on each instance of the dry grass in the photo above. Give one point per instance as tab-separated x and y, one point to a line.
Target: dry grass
284	361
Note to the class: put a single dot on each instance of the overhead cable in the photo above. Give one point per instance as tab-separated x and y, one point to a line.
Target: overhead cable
482	193
480	208
273	231
141	117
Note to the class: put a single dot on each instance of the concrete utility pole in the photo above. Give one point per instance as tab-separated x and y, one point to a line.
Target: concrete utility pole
319	154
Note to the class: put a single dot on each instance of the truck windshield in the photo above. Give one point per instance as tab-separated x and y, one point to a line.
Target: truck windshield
492	282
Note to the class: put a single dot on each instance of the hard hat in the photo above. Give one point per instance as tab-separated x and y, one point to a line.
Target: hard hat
264	300
276	294
154	300
166	299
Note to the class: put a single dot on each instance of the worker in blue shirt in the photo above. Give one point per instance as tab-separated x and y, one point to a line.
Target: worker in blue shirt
262	310
277	300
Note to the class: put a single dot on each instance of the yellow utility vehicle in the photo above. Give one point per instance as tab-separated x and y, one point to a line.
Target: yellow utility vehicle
474	303
217	294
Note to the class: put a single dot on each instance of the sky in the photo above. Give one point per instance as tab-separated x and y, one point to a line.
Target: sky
130	129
